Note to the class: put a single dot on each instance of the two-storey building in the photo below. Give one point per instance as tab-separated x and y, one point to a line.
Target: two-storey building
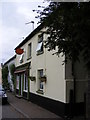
42	79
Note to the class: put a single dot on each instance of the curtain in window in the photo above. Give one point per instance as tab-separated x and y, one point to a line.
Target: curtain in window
39	46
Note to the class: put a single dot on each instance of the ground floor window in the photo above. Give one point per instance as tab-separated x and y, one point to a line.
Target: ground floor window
40	74
25	83
41	85
17	81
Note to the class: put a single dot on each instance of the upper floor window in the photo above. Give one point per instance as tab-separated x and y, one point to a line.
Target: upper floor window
39	49
29	50
40	38
21	58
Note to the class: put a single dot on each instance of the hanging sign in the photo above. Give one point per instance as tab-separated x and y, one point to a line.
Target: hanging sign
19	51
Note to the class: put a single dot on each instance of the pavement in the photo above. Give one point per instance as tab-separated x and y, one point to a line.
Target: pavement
31	110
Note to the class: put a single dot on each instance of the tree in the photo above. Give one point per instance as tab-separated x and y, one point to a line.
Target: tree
5	76
68	26
12	70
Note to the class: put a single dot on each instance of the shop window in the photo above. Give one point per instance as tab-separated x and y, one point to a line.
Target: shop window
17	81
25	83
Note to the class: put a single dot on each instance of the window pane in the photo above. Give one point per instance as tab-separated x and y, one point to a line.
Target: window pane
29	50
25	82
17	82
41	85
40	38
21	58
39	46
40	73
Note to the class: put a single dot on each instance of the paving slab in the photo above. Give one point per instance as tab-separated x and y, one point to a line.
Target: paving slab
29	109
33	111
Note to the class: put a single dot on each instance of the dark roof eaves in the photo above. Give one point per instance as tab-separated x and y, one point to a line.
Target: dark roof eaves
30	35
10	60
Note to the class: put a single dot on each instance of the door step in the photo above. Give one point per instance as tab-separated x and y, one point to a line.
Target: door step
19	96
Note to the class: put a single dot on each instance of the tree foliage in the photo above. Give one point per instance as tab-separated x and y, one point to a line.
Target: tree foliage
69	28
5	76
12	70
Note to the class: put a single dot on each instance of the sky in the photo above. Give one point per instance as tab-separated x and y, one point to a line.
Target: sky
13	16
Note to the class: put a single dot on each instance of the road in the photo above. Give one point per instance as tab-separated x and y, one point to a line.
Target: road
9	112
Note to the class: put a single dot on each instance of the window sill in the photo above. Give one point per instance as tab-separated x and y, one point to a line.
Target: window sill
29	58
32	78
17	88
40	91
39	53
21	62
25	91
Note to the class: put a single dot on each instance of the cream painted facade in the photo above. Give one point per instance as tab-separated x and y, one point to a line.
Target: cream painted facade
55	86
61	86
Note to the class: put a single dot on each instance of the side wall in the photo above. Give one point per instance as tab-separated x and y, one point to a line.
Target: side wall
76	85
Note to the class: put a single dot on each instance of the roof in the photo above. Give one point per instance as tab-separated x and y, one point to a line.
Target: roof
30	35
10	59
